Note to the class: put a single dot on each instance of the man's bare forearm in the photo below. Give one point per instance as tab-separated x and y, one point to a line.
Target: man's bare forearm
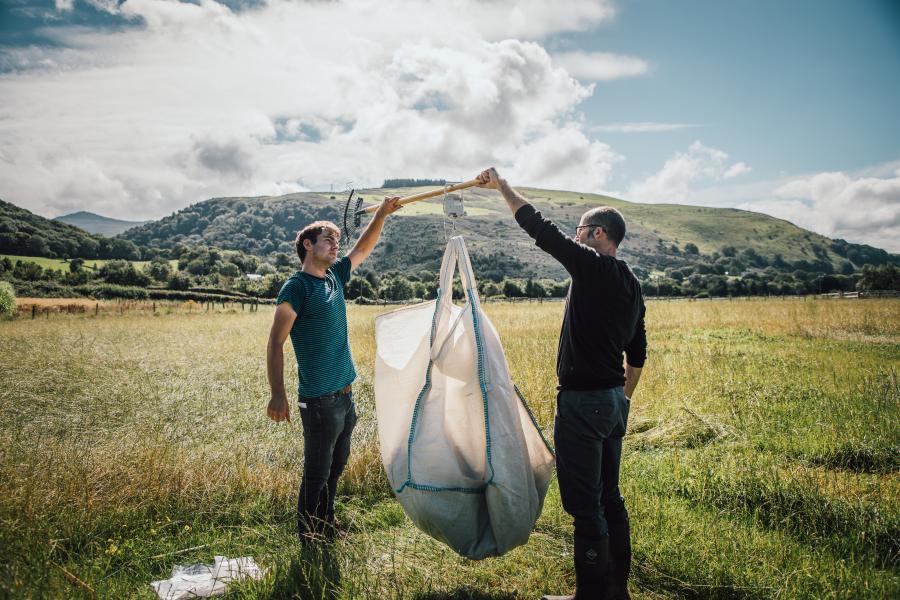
369	237
275	369
514	199
632	376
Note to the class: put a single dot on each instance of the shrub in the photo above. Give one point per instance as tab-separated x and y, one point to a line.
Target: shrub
360	287
44	289
7	298
885	277
397	289
28	271
159	270
122	272
75	265
197	296
511	289
179	281
107	291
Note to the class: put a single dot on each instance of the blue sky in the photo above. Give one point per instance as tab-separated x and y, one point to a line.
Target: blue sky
135	109
789	86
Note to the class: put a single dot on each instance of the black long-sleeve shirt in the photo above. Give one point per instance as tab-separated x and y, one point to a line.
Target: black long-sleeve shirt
604	314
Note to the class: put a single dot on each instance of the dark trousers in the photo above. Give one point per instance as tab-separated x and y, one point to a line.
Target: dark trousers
588	432
328	422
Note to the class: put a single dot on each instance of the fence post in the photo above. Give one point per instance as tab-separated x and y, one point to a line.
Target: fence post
97	309
33	311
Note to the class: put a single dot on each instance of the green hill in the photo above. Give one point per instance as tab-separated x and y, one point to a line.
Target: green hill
660	236
98	224
24	233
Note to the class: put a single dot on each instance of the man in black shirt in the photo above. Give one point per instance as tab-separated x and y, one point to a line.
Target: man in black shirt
604	318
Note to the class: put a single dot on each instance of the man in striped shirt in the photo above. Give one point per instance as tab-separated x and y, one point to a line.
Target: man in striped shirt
312	310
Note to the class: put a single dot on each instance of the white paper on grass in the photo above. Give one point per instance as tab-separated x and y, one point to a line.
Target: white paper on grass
203	581
448	360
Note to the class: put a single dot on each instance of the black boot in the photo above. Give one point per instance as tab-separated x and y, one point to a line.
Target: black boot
591	564
619	560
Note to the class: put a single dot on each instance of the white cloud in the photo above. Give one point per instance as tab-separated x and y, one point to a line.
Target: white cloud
600	66
564	159
684	171
201	101
857	208
737	169
65	5
110	6
861	207
640	127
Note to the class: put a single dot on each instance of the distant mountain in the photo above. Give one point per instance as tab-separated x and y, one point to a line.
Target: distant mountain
26	234
94	223
660	236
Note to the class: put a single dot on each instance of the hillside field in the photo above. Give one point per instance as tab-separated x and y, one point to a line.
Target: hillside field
762	459
59	264
658	234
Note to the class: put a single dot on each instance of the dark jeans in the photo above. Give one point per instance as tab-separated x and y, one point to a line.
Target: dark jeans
588	432
328	422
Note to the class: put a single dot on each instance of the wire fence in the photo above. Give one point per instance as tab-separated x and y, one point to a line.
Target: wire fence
45	307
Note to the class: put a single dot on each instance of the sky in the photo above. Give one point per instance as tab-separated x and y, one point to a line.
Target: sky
139	108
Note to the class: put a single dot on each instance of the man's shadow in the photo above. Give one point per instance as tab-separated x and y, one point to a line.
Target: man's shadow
314	573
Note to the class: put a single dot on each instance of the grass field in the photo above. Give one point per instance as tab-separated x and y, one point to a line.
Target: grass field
58	264
762	459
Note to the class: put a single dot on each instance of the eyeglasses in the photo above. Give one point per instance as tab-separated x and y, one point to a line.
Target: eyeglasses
579	227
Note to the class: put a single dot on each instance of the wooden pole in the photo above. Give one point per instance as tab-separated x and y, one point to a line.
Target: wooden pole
424	195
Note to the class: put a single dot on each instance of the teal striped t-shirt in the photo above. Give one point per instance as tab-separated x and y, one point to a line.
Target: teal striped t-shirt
319	333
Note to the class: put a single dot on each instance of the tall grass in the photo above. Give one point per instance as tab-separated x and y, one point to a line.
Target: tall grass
761	460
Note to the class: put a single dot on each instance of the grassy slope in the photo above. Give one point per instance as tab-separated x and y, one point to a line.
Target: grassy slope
59	264
709	228
418	235
761	460
491	228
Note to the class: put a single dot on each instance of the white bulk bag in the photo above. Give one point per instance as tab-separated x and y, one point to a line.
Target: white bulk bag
462	452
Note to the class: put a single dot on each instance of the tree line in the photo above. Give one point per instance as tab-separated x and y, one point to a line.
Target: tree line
203	273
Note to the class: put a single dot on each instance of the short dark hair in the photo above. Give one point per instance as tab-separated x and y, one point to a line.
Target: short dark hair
611	220
312	232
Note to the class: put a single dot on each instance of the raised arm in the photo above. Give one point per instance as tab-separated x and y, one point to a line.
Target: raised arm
366	243
278	409
490	179
573	256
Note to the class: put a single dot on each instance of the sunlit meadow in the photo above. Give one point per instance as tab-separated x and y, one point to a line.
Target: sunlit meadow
762	458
